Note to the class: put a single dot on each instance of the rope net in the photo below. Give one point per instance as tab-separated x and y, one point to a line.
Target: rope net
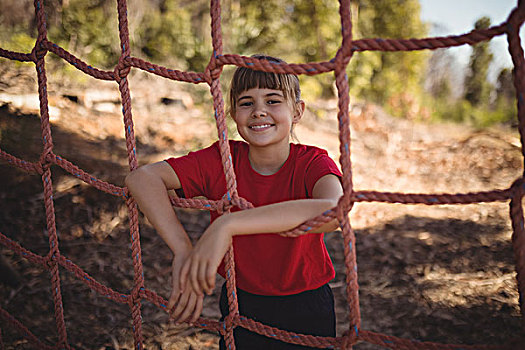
55	260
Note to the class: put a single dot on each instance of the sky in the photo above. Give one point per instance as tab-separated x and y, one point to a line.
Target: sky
453	17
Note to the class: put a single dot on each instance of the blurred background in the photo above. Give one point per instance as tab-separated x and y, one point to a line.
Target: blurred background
464	85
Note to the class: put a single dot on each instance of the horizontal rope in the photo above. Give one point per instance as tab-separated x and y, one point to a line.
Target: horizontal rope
314	68
23	330
86	177
29	167
16	56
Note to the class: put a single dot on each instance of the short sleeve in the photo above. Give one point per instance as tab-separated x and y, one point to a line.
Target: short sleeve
320	166
193	170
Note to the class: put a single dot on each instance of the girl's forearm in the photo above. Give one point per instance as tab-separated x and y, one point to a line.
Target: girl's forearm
150	193
278	217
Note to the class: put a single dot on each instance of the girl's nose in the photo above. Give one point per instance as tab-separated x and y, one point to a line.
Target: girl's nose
259	112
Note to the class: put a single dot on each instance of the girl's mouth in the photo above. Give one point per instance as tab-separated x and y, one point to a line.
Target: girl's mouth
260	127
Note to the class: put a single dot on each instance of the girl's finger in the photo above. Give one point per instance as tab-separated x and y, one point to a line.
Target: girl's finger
181	305
210	278
201	278
184	274
198	309
194	272
174	296
190	306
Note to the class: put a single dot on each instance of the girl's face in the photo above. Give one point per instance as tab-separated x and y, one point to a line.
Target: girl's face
264	117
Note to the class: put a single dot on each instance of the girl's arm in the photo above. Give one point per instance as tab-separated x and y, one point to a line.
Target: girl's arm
149	186
207	254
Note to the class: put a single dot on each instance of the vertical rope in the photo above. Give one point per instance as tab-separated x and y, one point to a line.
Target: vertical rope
518	242
121	73
214	72
38	54
341	81
233	305
514	23
345	204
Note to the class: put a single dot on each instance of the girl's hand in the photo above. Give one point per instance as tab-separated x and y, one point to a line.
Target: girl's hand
201	266
183	302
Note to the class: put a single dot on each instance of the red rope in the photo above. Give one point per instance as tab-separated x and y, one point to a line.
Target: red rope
53	260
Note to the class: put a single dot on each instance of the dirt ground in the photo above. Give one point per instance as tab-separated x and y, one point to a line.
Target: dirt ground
433	273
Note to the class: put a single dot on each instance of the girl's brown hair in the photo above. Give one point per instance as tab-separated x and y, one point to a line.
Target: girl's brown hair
246	79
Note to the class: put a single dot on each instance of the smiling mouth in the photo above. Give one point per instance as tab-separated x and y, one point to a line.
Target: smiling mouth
260	127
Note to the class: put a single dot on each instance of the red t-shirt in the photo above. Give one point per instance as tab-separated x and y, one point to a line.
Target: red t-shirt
266	264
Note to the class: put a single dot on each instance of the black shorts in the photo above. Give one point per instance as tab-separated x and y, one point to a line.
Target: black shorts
311	312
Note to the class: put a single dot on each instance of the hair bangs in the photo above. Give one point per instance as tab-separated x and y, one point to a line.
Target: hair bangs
251	79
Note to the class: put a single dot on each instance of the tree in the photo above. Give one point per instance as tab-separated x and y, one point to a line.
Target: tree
316	30
86	28
477	87
174	32
385	77
505	103
505	86
439	79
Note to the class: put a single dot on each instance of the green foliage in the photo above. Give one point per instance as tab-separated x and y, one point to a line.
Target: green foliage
176	33
17	32
20	42
251	28
88	28
481	105
392	78
316	36
295	30
477	87
505	87
462	111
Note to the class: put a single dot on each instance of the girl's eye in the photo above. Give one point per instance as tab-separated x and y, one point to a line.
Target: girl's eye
271	102
245	104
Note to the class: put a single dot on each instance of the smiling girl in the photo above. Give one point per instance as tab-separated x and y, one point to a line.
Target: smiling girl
282	281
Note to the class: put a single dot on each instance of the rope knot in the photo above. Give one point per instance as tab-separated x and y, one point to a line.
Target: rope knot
213	71
121	70
343	55
135	295
46	159
212	74
228	325
349	339
344	205
241	203
224	205
39	51
52	257
228	201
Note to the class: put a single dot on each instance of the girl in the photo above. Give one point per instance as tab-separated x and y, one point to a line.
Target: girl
282	281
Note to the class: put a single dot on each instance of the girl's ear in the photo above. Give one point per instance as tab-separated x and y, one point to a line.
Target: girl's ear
298	111
232	115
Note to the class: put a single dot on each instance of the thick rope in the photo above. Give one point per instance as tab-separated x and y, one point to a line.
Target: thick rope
54	260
